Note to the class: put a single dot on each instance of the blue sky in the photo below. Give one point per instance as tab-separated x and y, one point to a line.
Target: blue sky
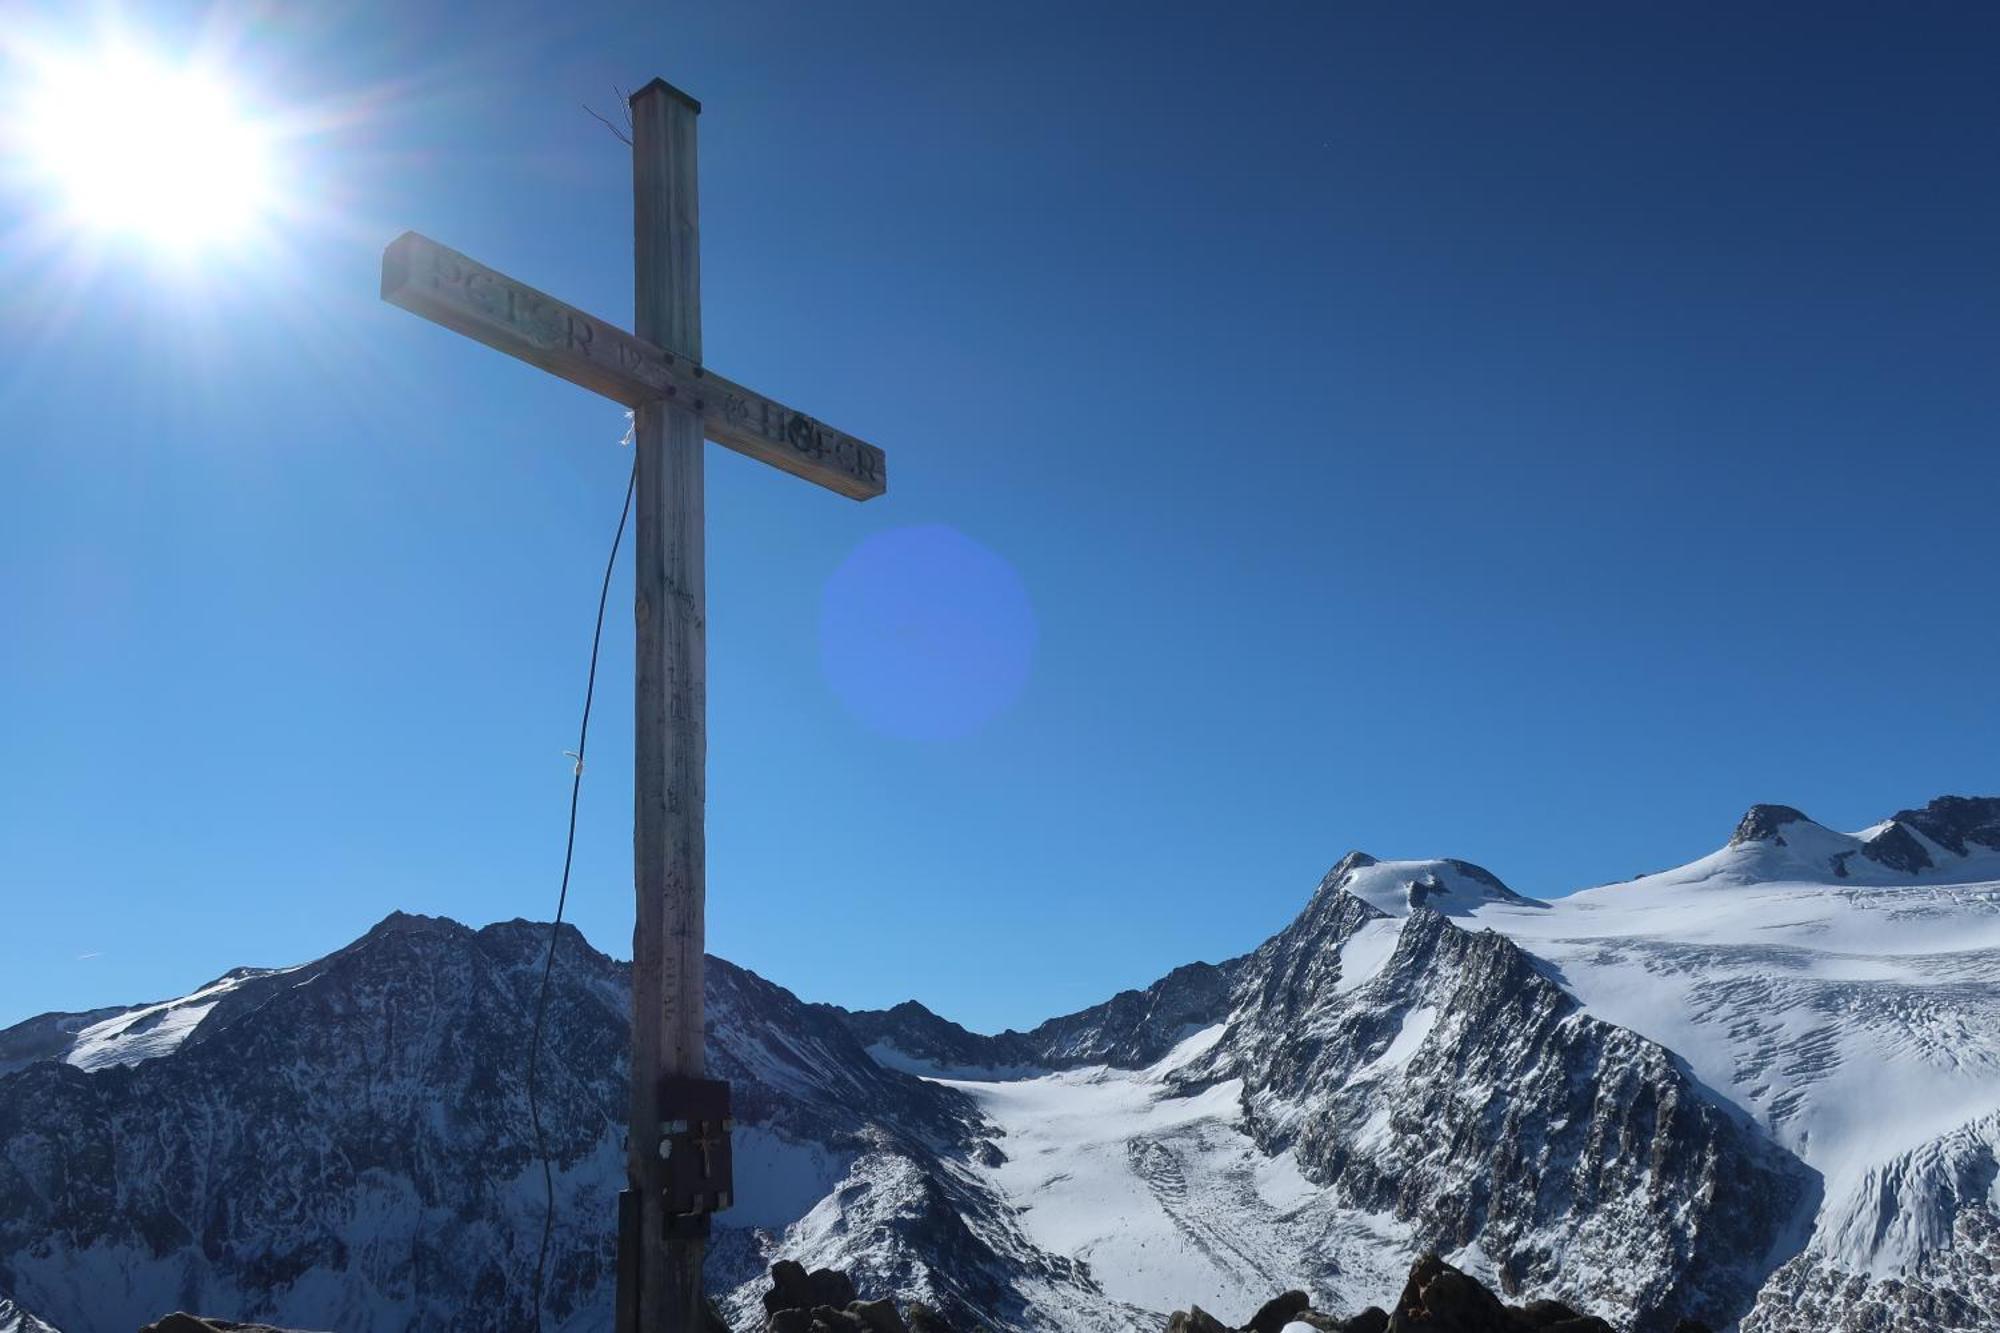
1523	433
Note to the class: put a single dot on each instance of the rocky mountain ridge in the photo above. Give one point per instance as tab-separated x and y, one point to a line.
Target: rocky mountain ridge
1132	1028
1646	1101
346	1144
13	1319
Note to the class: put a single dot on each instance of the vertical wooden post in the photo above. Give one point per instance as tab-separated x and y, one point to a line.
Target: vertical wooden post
672	743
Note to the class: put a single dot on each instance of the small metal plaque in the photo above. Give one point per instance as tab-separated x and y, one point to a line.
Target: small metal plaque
697	1168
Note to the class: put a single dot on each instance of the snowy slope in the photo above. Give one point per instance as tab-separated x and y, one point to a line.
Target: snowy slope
1395	888
1156	1188
153	1030
1814	1018
1849	1003
1383	1085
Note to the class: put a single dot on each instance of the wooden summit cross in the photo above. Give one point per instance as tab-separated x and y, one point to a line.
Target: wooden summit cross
677	1149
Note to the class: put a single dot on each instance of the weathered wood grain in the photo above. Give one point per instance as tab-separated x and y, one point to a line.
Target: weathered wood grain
671	714
466	296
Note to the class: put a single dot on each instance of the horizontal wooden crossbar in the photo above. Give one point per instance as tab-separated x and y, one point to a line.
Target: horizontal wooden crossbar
464	295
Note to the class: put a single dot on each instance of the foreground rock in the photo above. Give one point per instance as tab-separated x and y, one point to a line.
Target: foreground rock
824	1301
1437	1299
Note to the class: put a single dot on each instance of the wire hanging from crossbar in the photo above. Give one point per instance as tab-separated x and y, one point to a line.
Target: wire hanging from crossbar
562	900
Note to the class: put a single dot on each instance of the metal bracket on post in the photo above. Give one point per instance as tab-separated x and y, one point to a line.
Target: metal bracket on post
697	1168
626	1317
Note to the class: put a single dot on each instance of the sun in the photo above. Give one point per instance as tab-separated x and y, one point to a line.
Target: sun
126	144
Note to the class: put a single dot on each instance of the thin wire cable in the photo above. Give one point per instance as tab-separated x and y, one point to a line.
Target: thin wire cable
562	900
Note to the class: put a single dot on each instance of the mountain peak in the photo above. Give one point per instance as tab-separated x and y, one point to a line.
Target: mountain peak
1347	865
1397	888
1951	839
1761	823
1480	874
1957	822
403	923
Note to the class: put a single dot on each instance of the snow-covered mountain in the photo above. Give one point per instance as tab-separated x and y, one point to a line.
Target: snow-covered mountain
13	1319
1764	1085
346	1144
1761	1087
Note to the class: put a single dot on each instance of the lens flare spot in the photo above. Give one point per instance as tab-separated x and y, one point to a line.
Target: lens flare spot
925	633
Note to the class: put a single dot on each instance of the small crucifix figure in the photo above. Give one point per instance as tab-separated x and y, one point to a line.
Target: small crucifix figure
708	1141
657	371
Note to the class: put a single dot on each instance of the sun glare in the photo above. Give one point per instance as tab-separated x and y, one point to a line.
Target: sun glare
128	145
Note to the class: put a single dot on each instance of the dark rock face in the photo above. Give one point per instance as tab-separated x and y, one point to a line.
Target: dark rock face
1762	823
1280	1310
363	1120
1440	1299
1556	1315
793	1288
1346	865
1194	1319
1137	1027
1131	1029
1951	1290
1481	874
824	1301
1437	1298
937	1042
1426	889
1464	1092
1961	823
1895	848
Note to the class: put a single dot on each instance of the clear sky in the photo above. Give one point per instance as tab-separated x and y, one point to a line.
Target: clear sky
1529	433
